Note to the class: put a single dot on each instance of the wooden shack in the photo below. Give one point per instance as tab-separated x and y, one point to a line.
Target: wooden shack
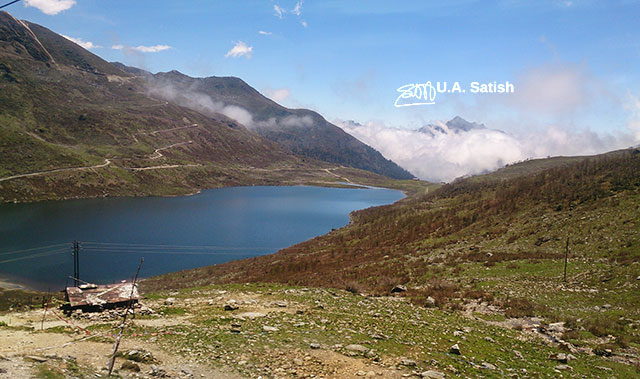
94	298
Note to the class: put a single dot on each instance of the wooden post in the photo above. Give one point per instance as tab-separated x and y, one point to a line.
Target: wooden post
566	257
112	361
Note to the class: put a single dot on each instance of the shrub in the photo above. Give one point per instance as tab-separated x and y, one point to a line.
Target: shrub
519	308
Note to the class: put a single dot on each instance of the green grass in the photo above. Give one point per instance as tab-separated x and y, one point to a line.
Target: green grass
422	334
44	371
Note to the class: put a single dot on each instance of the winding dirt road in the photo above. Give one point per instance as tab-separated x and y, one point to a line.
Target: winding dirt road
105	164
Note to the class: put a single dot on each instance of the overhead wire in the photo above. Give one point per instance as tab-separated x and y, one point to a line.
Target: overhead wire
137	245
9	3
37	255
33	248
129	248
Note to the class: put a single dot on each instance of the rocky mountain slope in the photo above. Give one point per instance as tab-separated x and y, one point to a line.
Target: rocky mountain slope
302	131
278	331
74	125
499	240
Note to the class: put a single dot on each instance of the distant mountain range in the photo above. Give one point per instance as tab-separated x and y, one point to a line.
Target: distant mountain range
456	125
302	131
66	111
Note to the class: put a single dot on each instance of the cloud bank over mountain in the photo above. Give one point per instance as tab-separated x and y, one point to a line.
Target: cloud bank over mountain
443	151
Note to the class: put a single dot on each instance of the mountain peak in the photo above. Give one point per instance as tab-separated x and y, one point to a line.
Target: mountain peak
459	124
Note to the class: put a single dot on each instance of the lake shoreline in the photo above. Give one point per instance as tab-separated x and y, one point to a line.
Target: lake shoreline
179	223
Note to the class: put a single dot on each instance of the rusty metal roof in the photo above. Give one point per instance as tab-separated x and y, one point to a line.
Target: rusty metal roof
99	295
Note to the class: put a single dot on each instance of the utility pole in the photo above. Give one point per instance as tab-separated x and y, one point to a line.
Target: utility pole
76	263
566	256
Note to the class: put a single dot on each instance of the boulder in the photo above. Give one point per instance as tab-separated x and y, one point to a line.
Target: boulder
398	288
230	307
432	374
169	301
455	349
356	348
408	362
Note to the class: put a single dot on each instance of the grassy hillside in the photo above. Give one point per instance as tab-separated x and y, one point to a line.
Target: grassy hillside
302	131
86	128
477	244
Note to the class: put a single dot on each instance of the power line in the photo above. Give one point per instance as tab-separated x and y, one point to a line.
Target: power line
116	251
9	3
137	245
31	249
38	255
178	248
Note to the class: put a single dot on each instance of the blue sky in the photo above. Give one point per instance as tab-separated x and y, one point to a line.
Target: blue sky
575	64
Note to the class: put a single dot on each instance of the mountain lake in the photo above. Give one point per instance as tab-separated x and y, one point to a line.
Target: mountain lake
171	233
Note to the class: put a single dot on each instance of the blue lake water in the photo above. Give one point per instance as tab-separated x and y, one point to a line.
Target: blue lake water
172	234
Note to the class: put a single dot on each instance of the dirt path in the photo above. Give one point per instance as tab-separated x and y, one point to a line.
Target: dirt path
24	348
330	172
163	167
157	154
106	163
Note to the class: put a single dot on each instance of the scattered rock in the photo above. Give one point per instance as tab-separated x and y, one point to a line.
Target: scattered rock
356	348
488	366
128	365
138	355
157	372
564	367
603	352
606	306
458	333
430	302
36	358
408	362
298	361
267	328
281	304
314	346
560	357
455	349
250	315
432	374
169	301
398	288
230	306
557	327
361	373
370	374
377	336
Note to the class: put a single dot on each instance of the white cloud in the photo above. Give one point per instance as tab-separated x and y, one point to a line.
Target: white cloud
444	157
292	121
559	90
279	11
85	44
265	33
200	102
277	94
297	10
633	106
142	49
151	49
51	7
240	49
304	23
